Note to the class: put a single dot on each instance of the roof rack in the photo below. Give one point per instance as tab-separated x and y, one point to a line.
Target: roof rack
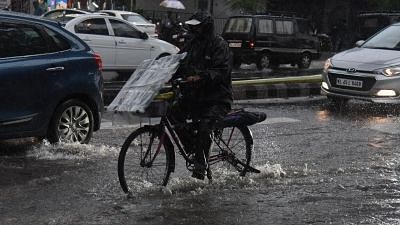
278	13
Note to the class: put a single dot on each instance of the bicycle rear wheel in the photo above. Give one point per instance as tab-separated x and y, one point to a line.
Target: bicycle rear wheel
233	147
144	160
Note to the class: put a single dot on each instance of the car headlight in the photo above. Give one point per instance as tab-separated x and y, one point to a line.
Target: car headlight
327	65
390	71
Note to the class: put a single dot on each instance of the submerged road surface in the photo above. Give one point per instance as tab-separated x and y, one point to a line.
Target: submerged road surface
320	165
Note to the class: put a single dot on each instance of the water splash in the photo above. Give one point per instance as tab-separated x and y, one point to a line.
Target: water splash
223	179
270	171
70	151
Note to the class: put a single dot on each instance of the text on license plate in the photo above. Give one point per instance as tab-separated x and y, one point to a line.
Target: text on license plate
349	83
235	44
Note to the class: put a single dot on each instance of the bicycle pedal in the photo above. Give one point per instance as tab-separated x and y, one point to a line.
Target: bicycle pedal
190	166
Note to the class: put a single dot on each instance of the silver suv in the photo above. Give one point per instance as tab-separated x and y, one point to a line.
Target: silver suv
370	71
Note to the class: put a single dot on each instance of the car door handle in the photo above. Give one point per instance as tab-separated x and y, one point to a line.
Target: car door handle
121	42
52	69
85	39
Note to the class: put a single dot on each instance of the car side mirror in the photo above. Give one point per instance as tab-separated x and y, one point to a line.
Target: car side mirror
359	43
143	35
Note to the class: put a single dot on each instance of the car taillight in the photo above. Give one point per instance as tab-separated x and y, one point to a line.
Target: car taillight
251	44
99	62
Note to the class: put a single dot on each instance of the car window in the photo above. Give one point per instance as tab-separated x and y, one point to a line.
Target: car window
54	15
21	39
134	18
109	13
387	39
304	27
370	22
238	25
265	26
122	29
57	41
284	27
92	26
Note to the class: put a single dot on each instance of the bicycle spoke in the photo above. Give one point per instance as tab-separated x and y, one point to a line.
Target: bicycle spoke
234	147
143	158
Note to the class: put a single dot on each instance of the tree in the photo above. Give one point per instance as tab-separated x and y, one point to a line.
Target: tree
248	6
384	4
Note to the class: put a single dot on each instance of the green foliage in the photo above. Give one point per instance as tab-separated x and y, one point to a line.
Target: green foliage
248	6
384	4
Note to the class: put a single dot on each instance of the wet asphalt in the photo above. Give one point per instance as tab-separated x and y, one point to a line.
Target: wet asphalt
320	165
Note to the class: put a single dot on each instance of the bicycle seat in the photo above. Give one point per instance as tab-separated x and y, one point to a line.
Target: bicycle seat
242	118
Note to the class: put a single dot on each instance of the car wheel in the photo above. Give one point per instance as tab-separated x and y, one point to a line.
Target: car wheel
71	122
264	61
304	61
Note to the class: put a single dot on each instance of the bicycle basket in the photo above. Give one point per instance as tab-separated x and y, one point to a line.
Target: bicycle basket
156	108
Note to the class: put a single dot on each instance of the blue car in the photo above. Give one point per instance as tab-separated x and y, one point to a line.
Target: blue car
50	81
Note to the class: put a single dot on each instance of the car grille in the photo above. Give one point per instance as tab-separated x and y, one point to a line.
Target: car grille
368	82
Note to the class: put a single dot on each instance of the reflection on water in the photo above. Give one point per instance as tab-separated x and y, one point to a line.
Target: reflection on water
323	115
360	111
380	120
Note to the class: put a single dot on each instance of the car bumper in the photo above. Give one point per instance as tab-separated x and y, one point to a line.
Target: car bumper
245	55
373	87
388	100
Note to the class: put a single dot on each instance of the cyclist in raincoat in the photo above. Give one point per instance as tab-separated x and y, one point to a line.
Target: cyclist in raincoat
208	96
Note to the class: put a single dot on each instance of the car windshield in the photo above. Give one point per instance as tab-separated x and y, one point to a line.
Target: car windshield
134	18
387	39
238	25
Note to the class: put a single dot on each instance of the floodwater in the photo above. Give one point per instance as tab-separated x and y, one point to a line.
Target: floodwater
318	166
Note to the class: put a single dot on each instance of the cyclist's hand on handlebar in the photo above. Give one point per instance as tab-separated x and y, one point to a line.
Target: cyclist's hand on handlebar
192	79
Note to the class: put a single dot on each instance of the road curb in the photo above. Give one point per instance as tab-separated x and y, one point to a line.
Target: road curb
278	87
284	87
280	101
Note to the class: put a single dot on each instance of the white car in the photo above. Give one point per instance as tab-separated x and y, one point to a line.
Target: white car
121	45
134	18
64	15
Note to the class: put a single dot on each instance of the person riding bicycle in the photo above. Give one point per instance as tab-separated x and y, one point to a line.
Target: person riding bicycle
207	95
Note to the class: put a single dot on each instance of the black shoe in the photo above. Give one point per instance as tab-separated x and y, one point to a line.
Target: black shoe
198	174
199	171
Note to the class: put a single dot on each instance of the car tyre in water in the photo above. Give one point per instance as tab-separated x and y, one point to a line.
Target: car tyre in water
71	122
264	61
305	61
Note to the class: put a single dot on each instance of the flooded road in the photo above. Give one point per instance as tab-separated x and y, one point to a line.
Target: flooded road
319	165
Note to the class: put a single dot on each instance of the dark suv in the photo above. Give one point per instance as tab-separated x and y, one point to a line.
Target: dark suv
269	40
51	81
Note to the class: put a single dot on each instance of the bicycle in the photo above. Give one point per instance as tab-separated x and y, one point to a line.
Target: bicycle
148	152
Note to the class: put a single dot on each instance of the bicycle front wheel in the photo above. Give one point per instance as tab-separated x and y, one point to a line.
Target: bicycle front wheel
145	159
234	146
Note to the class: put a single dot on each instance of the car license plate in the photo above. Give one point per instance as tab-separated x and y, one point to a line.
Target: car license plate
235	44
349	83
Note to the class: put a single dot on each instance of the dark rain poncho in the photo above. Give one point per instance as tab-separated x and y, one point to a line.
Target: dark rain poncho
210	58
